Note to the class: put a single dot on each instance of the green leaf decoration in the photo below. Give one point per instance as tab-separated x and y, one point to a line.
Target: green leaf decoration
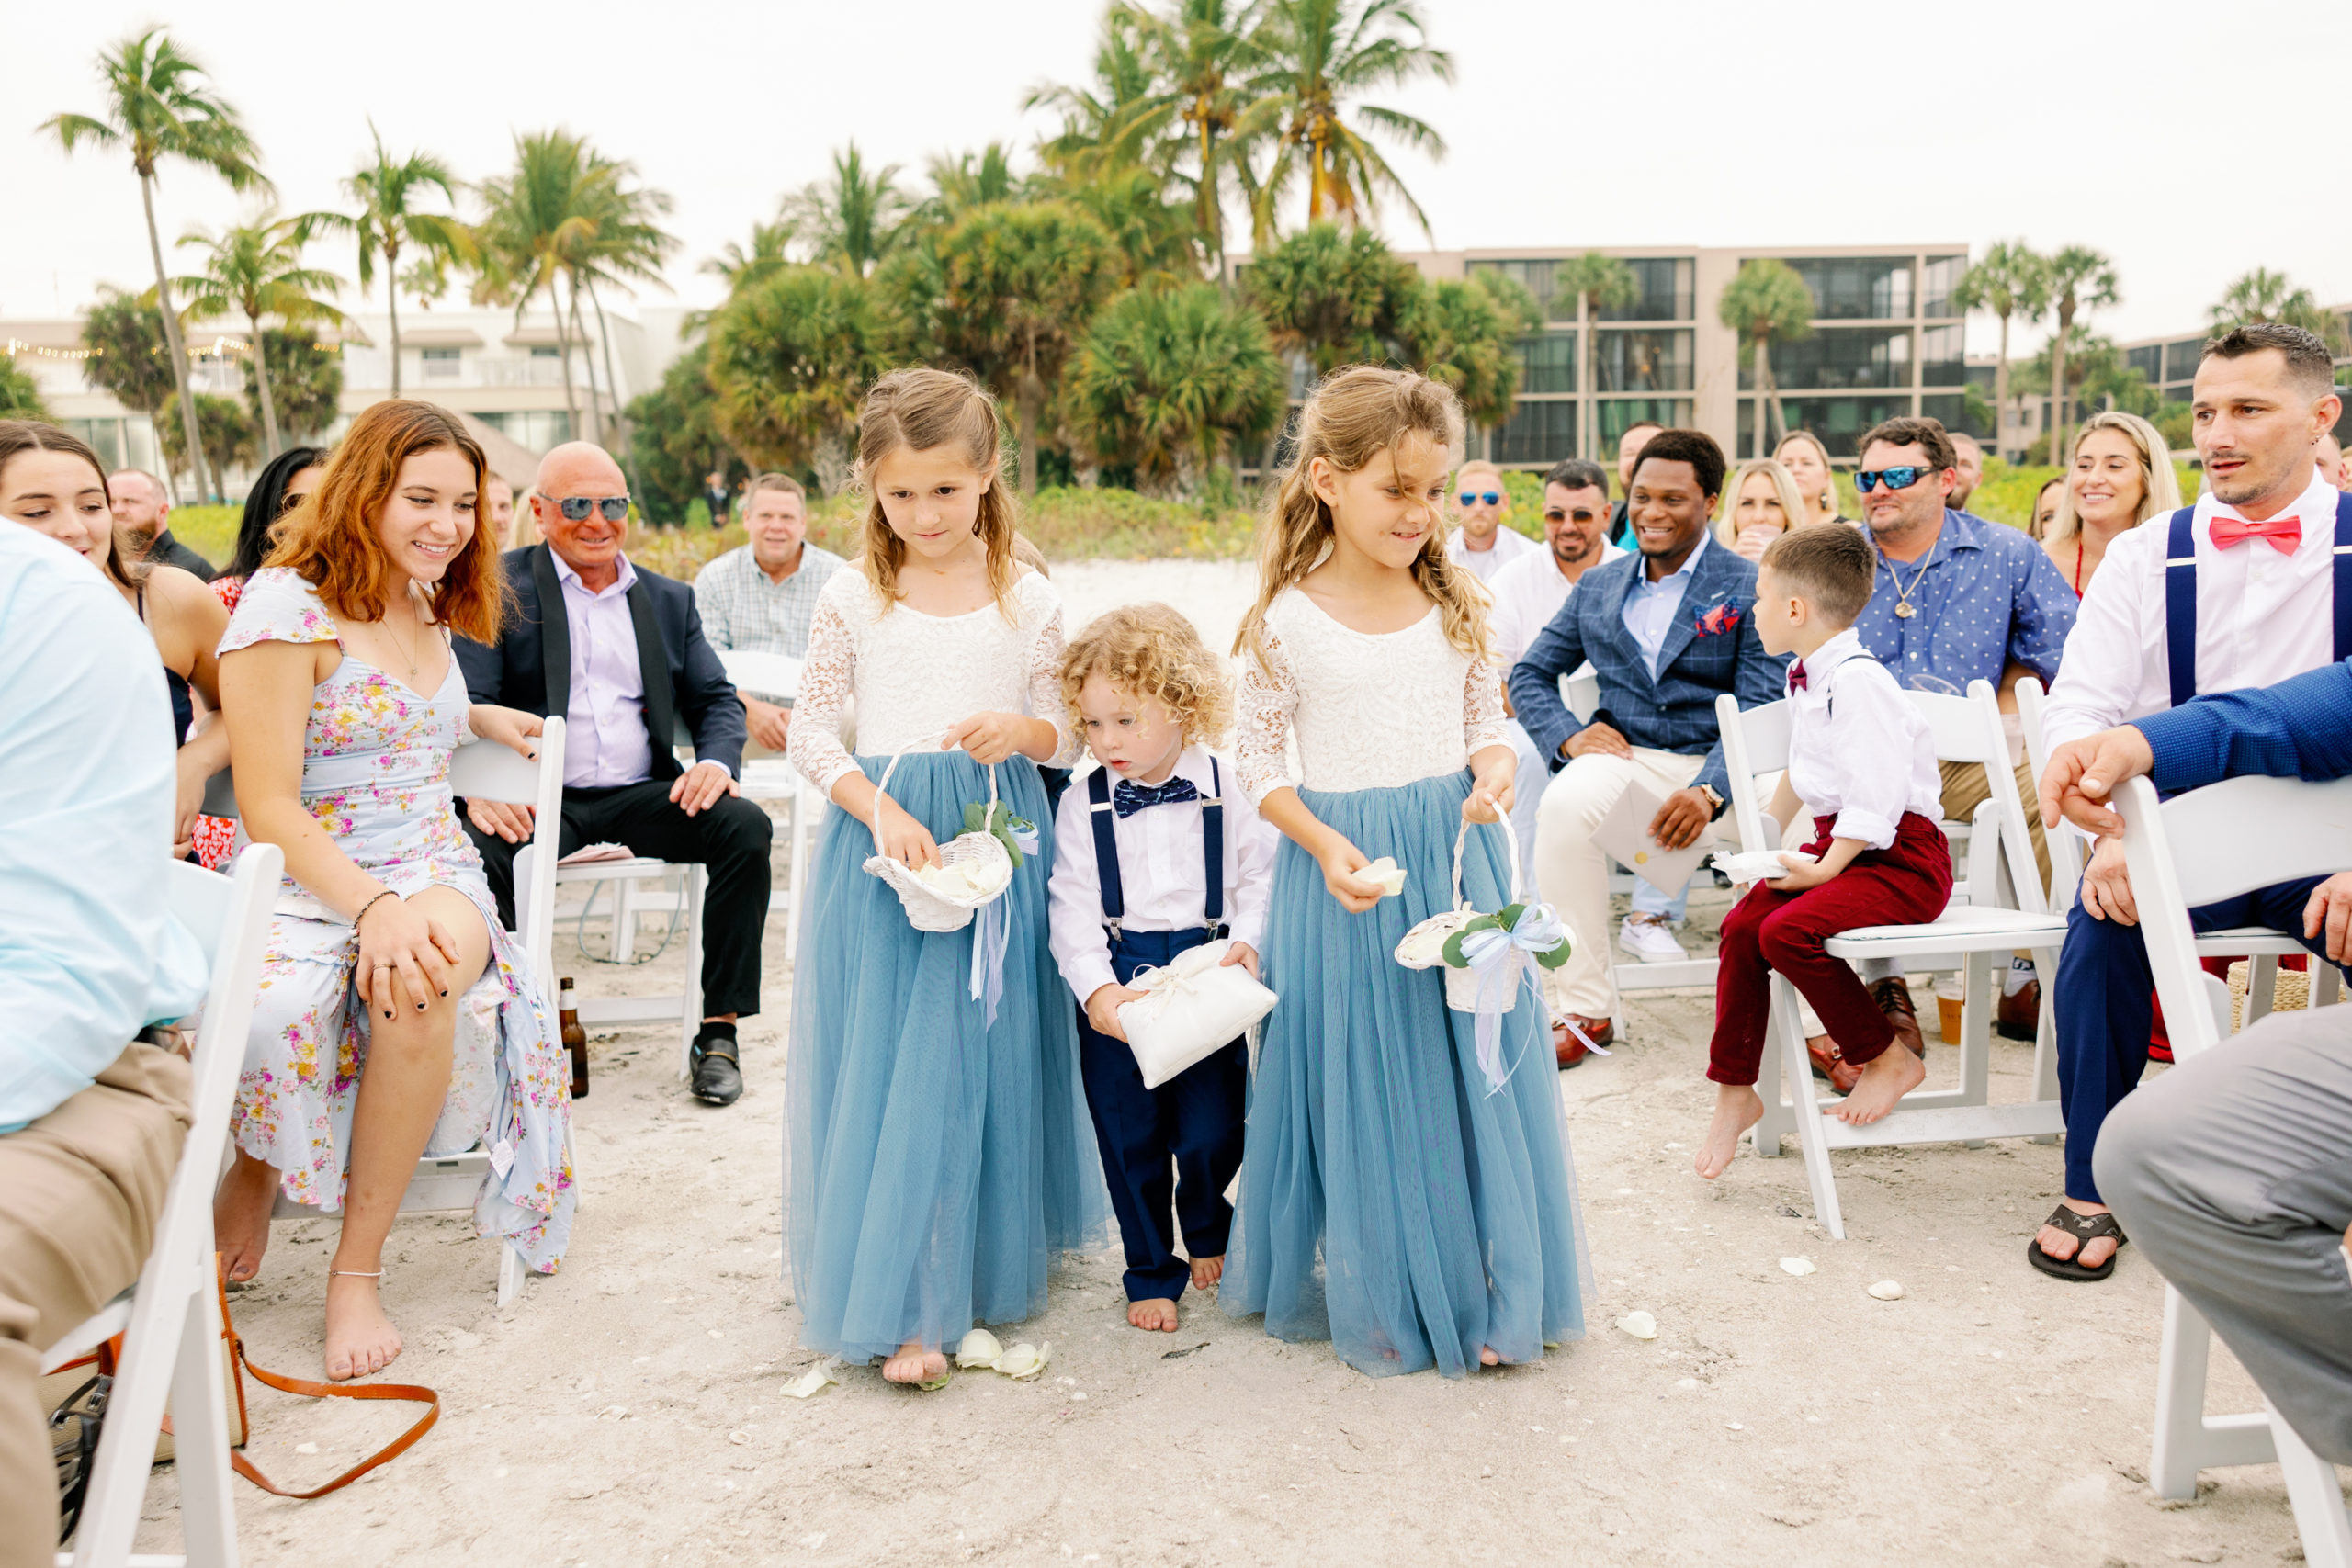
1453	952
1508	915
1555	958
998	823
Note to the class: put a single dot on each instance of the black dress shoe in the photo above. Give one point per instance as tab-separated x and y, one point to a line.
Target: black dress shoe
717	1077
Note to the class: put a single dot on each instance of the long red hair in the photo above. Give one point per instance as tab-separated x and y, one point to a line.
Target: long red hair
330	540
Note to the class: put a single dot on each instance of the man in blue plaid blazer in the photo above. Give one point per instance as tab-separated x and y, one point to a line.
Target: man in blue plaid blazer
1668	631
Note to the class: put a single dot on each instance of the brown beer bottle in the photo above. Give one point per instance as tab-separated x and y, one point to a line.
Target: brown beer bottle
575	1039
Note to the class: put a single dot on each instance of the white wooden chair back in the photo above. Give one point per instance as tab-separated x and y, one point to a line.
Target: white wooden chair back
2065	848
171	1332
1581	692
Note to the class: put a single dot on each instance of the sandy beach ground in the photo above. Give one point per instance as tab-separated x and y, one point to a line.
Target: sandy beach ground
630	1410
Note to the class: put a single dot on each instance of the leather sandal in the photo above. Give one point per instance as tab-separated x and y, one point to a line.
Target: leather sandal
718	1073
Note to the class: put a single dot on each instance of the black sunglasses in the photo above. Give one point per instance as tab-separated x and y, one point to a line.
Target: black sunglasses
1582	515
1491	497
1901	477
575	507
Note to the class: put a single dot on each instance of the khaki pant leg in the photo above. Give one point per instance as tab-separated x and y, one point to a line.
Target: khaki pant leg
85	1188
1965	789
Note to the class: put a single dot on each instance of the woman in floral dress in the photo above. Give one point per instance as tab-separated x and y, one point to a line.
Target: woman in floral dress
396	1017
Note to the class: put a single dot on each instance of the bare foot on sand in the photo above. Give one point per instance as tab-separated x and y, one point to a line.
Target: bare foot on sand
1487	1357
1155	1313
361	1341
1737	1107
1207	1271
915	1364
1887	1077
241	1217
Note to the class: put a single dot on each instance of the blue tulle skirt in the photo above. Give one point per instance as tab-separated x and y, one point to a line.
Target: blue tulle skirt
1389	1202
933	1162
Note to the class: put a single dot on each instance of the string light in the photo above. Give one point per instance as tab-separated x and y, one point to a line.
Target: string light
39	351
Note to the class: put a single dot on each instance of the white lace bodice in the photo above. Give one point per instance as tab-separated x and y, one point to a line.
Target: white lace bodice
1371	710
913	675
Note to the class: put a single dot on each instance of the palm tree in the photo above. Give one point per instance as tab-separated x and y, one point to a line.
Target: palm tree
1766	303
1333	295
1319	56
2080	280
1113	124
966	181
255	270
791	357
19	393
853	218
622	247
2012	280
1166	378
390	219
1203	52
1599	283
535	219
1461	332
158	105
738	266
2266	296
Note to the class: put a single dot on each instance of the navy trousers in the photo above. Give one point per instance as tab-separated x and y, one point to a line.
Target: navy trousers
1192	1124
2105	1007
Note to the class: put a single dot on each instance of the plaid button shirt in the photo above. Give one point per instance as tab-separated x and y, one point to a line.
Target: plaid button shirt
743	611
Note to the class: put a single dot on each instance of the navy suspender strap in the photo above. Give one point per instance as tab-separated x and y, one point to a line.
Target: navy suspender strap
1212	844
2181	597
2180	605
1106	849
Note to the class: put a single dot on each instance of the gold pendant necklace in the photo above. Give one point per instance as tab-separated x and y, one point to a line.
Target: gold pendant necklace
1904	610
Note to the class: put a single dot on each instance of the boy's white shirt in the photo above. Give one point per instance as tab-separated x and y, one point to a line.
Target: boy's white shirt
1163	872
1865	758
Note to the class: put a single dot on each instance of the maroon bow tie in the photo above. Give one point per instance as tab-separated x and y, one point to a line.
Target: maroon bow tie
1796	676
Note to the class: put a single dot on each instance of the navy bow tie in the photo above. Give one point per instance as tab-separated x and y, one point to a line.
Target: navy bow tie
1129	798
1796	676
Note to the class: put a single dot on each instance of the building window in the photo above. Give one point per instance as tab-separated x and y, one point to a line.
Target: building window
440	364
1951	408
1944	356
1540	432
2181	357
1838	423
1665	285
1538	277
1837	359
2149	362
1641	361
103	436
1615	415
1937	280
1857	289
1547	364
537	429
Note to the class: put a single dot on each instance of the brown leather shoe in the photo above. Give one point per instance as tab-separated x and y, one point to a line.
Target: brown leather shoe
1829	1062
1893	996
1569	1051
2019	1017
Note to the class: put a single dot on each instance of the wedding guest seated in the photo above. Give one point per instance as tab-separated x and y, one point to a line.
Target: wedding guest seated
284	483
142	511
760	597
1484	541
397	1017
1668	631
1760	504
2120	477
91	1120
619	652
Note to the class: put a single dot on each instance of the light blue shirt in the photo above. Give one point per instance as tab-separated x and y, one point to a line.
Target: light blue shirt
89	955
1650	606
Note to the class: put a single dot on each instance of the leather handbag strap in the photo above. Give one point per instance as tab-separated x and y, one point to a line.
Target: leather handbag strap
308	1390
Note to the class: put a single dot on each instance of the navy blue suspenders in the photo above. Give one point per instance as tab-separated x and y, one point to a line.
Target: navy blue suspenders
2181	597
1107	848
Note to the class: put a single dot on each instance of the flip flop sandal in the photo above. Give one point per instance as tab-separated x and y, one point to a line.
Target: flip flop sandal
2085	1229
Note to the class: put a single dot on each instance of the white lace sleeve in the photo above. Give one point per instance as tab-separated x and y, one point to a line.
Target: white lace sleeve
1046	688
1483	718
814	747
1262	732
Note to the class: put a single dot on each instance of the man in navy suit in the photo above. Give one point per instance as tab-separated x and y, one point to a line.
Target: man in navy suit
1668	631
620	654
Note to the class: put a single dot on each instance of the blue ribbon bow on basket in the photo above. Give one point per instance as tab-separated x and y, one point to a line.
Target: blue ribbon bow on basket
1493	955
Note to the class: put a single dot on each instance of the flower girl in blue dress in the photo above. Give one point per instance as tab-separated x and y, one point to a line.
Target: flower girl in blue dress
1393	1198
938	1147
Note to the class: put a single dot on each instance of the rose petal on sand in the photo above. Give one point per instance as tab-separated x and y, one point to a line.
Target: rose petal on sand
1640	1324
1024	1360
1887	1290
1796	1266
981	1349
809	1382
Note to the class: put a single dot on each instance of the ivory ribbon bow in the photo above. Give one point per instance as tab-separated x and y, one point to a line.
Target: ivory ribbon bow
990	936
1181	975
1498	958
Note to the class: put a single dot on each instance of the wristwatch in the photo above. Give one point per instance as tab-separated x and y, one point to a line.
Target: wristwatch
1714	801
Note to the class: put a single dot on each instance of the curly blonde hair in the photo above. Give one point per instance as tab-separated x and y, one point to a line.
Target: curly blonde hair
1150	650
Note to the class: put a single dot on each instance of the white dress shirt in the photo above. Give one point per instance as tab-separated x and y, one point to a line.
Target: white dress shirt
1858	750
2261	617
1528	593
1510	544
1163	872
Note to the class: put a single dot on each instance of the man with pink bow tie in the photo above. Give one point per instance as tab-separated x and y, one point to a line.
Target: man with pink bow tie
2248	587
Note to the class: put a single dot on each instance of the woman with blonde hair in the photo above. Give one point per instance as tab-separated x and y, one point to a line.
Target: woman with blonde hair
1807	460
1759	505
2121	475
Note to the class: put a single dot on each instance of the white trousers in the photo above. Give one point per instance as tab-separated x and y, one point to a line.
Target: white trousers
1572	872
1527	797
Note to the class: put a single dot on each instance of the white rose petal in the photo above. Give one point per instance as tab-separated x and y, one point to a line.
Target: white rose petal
1887	1290
1024	1360
809	1382
979	1349
1640	1324
1799	1266
1386	875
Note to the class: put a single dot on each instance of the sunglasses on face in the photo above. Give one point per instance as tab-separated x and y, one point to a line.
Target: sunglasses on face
1491	497
575	508
1581	514
1902	477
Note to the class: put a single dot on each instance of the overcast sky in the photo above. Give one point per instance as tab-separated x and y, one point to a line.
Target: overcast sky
2189	142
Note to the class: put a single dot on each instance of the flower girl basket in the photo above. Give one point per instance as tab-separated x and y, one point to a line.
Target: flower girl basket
1485	962
980	870
1191	1009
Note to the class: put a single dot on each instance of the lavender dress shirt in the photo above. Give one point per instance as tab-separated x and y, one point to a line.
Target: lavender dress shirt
604	742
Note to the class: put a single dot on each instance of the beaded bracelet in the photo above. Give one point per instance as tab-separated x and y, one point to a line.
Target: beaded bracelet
371	903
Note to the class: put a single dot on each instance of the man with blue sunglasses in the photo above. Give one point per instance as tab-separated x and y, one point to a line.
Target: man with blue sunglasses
1483	542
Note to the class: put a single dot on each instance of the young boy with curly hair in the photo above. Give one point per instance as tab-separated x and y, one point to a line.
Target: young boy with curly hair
1154	857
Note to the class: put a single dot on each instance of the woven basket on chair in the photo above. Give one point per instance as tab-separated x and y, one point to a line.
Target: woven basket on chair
980	855
2293	994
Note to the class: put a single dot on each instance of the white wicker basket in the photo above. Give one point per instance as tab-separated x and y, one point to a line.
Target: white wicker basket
979	854
1423	946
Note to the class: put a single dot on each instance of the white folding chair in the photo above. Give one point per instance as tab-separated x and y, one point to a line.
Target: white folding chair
2195	849
489	770
2261	948
1996	908
169	1320
768	777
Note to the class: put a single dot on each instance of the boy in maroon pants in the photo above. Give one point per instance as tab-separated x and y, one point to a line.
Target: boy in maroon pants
1861	758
